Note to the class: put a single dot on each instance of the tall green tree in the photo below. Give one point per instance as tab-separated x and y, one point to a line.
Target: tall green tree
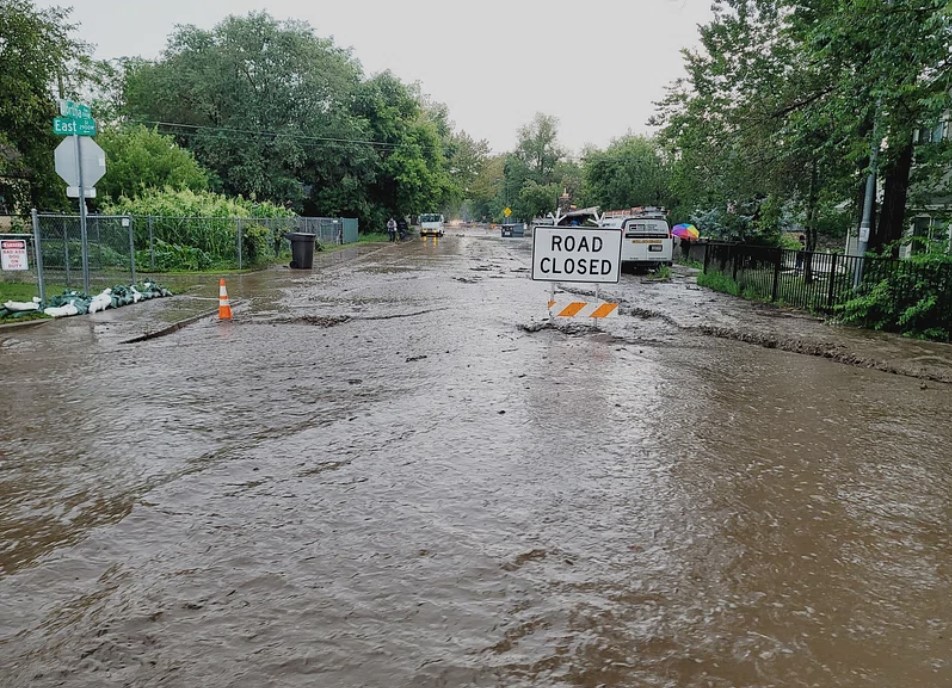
570	177
727	128
632	171
264	104
39	58
141	158
892	75
516	176
531	172
466	157
784	99
486	191
410	167
535	200
538	148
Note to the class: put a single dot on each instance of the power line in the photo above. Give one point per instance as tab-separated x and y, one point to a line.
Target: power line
271	134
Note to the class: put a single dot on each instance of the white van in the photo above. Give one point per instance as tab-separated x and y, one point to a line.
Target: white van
646	236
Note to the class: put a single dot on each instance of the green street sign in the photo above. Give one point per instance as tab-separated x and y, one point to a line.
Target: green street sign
68	108
74	126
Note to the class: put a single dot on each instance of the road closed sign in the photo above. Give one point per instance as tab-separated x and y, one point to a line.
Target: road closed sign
574	254
13	255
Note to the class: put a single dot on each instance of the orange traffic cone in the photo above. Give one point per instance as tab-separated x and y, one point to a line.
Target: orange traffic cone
224	309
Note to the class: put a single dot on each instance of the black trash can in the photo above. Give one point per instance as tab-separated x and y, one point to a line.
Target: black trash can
302	249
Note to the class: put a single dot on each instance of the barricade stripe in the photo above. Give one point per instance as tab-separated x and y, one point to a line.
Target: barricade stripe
583	309
604	310
572	309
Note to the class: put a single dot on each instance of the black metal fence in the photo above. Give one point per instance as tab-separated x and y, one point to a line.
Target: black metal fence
821	282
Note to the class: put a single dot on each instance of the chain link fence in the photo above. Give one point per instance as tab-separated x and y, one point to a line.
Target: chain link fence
238	242
117	247
19	261
107	259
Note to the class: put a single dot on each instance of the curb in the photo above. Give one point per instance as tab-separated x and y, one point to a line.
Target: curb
176	326
27	323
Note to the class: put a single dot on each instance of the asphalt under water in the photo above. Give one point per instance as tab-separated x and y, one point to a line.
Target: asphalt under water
388	472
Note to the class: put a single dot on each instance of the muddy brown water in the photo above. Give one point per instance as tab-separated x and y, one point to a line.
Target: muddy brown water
388	472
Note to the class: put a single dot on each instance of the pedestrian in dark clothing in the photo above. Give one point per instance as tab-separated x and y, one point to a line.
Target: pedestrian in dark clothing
803	245
403	229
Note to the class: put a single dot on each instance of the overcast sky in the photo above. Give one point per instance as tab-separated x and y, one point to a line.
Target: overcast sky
596	65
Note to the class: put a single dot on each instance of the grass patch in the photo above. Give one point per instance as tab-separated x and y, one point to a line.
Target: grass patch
23	316
719	282
789	294
18	291
372	237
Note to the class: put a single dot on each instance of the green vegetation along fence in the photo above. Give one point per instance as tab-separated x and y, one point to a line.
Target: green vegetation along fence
900	295
119	246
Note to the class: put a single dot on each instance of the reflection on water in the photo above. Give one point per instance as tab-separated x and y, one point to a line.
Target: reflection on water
423	494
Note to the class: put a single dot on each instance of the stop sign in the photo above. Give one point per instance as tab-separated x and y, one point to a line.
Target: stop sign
69	157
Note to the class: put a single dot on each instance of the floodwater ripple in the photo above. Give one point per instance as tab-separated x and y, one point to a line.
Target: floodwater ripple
326	493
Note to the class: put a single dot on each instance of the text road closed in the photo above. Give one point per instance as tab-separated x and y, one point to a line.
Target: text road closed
567	254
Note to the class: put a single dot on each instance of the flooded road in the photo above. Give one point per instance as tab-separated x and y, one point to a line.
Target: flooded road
388	472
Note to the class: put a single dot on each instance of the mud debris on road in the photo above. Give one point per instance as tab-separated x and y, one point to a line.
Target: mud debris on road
412	477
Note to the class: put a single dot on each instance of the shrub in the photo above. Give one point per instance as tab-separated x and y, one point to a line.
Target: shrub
914	298
201	220
257	244
56	251
173	257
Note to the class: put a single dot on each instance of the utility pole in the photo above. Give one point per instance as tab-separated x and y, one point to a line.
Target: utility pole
862	243
864	225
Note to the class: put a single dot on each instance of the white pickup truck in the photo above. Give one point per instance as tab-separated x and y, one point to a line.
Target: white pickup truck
431	224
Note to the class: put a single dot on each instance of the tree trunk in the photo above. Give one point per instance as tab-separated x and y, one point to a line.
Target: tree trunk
895	191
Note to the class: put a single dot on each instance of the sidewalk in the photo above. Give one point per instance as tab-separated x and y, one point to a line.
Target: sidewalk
192	299
195	297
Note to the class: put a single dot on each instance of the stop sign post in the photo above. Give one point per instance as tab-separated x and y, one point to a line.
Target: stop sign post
80	162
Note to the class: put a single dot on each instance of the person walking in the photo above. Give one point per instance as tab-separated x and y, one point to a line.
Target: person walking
392	229
802	239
